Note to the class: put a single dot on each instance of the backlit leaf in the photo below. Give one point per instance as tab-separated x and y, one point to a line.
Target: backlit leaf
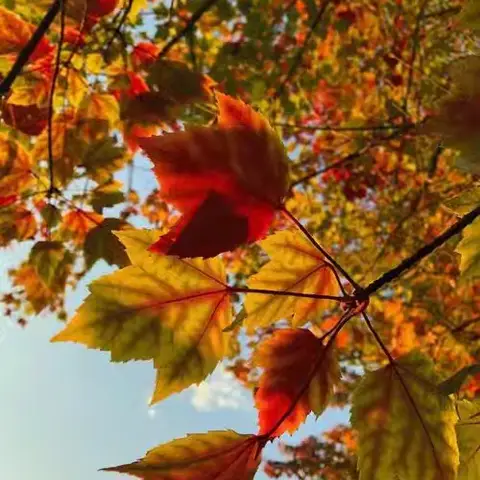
468	435
77	223
52	263
405	435
219	455
101	243
469	249
295	266
162	308
298	378
234	175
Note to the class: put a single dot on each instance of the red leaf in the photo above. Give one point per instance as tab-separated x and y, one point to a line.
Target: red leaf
299	373
227	181
7	200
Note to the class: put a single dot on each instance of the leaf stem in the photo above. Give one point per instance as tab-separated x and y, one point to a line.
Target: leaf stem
321	249
285	293
28	49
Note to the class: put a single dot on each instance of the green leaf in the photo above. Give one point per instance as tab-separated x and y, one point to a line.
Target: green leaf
406	427
468	435
107	195
52	263
51	215
455	382
469	249
466	201
101	243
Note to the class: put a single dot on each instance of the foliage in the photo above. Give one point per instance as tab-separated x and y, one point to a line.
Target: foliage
317	195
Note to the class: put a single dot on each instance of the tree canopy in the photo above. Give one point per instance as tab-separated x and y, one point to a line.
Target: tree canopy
314	226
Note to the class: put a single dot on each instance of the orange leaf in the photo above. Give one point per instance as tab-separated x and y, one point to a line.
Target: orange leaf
219	455
16	32
298	377
78	223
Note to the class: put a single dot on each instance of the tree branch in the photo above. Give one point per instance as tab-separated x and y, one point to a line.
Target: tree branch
419	255
28	49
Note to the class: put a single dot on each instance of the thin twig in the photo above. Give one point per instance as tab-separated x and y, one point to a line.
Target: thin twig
298	57
286	293
29	48
339	128
413	57
56	72
321	249
118	30
191	23
339	163
423	252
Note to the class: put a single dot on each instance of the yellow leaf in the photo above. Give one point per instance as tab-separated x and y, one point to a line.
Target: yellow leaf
468	435
76	87
162	308
405	435
100	106
295	266
219	455
15	167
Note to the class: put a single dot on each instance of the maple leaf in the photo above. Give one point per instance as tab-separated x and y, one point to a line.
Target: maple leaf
298	378
52	263
77	223
16	222
468	435
295	266
233	175
168	309
29	119
219	455
15	167
101	243
37	293
407	435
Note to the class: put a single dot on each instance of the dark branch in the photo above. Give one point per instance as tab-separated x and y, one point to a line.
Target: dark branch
352	156
28	49
189	26
420	254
